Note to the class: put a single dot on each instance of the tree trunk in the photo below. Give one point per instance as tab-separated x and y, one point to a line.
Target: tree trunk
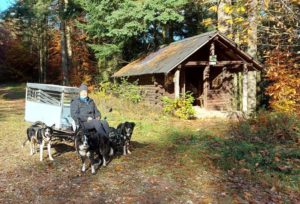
224	25
69	44
45	49
252	50
155	36
64	52
68	37
41	68
42	49
171	32
165	33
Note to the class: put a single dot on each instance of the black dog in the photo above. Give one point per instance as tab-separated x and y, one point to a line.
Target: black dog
83	149
126	130
41	134
89	143
116	139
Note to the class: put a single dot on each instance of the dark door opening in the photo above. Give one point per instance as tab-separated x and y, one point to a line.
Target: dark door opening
194	83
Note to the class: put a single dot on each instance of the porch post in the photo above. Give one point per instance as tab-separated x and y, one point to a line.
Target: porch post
235	92
205	85
183	88
251	90
177	83
245	88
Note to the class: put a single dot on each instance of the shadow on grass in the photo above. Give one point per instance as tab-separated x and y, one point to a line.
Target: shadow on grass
264	164
12	91
20	94
10	103
62	148
134	145
55	181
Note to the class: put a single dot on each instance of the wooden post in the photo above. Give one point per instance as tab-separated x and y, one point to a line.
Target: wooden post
245	88
183	88
224	73
251	91
235	92
177	83
205	85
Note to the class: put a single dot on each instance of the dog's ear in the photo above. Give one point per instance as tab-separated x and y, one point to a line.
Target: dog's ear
133	124
123	126
120	126
53	126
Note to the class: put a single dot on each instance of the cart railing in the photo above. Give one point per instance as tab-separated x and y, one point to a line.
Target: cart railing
50	104
43	96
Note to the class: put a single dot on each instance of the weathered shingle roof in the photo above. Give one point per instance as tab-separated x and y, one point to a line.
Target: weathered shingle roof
167	58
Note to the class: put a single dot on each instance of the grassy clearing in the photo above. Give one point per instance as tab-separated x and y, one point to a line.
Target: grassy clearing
274	164
172	161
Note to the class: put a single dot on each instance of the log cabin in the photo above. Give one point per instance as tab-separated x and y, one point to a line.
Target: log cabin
209	66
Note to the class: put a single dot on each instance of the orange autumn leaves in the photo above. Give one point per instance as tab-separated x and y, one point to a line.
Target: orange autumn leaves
284	74
82	67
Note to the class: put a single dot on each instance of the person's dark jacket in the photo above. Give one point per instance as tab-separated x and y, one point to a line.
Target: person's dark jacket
82	110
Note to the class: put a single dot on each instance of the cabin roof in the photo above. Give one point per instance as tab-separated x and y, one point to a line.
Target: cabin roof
169	57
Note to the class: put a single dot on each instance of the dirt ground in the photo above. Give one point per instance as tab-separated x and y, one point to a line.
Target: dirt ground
153	173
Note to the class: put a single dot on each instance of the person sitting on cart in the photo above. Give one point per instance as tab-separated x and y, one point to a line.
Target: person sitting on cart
84	109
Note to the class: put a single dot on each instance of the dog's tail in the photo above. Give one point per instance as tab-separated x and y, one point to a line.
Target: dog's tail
24	143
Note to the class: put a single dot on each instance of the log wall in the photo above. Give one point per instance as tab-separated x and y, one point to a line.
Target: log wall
152	87
218	100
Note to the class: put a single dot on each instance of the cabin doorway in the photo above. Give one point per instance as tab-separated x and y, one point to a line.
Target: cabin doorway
194	83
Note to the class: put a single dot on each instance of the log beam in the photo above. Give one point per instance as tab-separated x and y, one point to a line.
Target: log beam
219	63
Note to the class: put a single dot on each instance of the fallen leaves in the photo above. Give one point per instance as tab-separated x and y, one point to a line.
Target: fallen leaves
118	168
284	168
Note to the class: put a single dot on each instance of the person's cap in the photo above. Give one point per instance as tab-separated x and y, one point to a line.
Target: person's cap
83	87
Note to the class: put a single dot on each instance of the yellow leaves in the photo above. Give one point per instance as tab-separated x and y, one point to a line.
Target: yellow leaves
239	20
207	22
241	9
228	9
230	36
213	8
229	21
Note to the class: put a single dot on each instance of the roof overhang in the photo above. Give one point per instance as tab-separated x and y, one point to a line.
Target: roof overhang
211	36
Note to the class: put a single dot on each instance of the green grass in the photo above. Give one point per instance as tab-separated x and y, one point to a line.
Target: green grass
12	91
263	160
171	159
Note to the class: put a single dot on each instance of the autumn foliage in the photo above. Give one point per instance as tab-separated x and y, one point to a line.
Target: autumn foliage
82	69
17	62
284	74
84	66
54	62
